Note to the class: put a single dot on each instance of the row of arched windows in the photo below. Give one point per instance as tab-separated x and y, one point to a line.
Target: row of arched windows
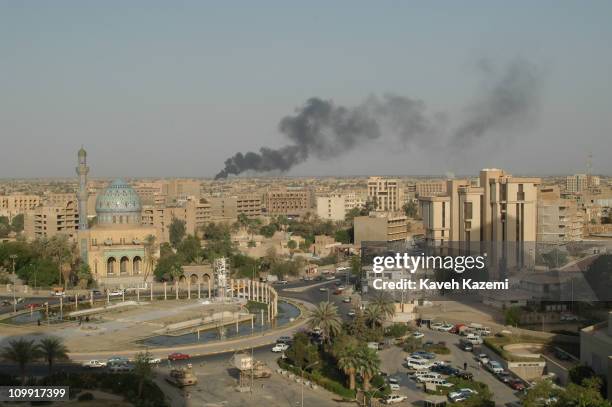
123	266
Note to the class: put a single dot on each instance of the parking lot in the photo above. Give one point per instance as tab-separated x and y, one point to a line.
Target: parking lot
393	358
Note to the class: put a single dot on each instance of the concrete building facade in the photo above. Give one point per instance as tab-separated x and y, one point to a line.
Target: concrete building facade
292	202
559	219
382	227
386	194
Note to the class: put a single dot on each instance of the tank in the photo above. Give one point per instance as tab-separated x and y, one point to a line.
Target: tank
182	377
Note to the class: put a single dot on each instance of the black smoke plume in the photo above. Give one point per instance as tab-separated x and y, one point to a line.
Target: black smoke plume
324	130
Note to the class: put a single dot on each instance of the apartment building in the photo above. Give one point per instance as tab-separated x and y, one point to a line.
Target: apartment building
13	205
194	212
430	188
228	207
499	208
559	219
381	227
581	182
336	206
386	194
292	202
46	221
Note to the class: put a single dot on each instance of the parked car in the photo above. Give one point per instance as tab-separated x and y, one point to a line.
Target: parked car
346	300
435	325
504	377
394	398
121	368
284	339
117	360
154	361
418	335
494	367
427	377
178	356
418	364
423	354
465	375
394	386
516	384
94	364
445	369
280	347
116	293
323	289
461	395
474	339
445	327
483	358
351	313
466	345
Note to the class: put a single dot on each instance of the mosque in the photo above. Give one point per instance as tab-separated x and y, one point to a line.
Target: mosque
119	249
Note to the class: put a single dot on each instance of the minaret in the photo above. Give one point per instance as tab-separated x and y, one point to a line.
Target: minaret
82	170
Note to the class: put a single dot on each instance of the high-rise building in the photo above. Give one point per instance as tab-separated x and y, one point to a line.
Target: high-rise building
385	193
380	227
559	219
16	204
292	202
335	206
46	221
194	212
501	209
581	182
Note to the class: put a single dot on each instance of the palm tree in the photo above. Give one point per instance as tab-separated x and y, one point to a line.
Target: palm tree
349	362
386	304
20	351
374	315
52	349
325	316
369	363
142	369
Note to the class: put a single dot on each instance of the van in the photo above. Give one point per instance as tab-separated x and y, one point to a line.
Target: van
418	364
373	345
440	382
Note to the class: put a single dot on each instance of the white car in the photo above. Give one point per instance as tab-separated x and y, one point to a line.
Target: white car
418	335
394	398
435	326
494	367
483	358
323	289
461	395
154	361
94	364
116	293
445	327
280	347
394	386
351	313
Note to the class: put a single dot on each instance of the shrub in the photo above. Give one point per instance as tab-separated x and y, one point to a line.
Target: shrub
323	381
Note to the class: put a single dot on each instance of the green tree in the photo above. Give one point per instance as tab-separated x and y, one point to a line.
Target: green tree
356	265
22	352
349	362
143	369
190	248
292	245
513	315
369	363
578	373
386	305
41	272
84	275
17	223
325	316
374	315
410	209
169	267
343	236
52	349
177	232
302	352
586	395
541	391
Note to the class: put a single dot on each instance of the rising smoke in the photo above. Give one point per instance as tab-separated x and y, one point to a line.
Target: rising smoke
325	130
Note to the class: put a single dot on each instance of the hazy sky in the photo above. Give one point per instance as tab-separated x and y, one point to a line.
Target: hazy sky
174	88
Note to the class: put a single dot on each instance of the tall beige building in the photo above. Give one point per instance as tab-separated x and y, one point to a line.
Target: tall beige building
288	201
581	182
45	221
501	209
335	206
228	207
16	204
559	220
381	227
385	193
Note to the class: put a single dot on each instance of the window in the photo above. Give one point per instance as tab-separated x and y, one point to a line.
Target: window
467	210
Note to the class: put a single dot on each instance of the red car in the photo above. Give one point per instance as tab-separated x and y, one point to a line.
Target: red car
178	356
517	385
33	306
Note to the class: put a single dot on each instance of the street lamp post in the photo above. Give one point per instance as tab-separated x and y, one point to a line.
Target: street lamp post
13	257
310	365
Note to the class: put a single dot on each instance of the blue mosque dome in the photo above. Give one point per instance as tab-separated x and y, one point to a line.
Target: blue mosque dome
118	204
